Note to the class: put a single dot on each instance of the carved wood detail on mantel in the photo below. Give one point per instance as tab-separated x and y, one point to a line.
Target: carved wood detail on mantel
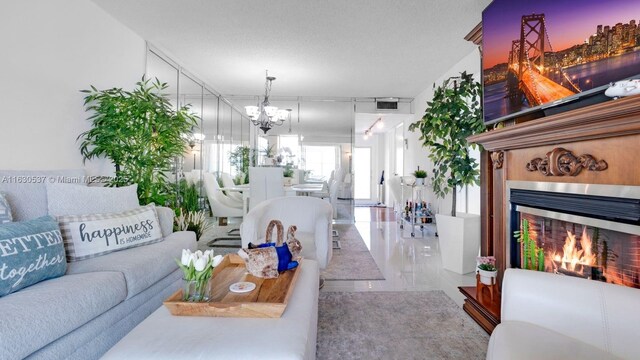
497	158
561	162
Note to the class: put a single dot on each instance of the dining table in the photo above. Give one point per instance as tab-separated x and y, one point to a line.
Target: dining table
304	189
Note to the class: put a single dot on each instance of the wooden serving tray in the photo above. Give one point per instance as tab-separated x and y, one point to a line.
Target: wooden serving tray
268	300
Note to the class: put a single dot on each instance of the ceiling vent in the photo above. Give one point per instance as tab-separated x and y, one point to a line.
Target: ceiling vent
387	104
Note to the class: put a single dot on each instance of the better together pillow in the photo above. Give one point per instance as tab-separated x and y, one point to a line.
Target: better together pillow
71	199
30	251
89	236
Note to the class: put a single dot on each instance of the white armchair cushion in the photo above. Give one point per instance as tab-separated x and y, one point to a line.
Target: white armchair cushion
604	316
525	341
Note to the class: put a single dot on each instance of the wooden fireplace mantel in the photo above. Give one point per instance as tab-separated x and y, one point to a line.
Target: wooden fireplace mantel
597	144
609	119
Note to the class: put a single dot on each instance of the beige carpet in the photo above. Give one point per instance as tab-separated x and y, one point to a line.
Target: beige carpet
353	261
396	325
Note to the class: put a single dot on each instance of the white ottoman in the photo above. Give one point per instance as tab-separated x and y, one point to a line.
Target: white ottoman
293	336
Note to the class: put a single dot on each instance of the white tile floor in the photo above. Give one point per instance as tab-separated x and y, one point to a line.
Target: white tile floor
408	263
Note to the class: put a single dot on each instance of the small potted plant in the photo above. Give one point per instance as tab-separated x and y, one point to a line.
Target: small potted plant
420	176
288	176
487	269
268	155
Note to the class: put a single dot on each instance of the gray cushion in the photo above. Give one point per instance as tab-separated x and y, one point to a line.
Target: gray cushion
35	316
166	216
69	199
142	266
26	191
93	339
5	210
30	252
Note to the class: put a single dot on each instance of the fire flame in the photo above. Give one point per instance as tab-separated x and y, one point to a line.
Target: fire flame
572	257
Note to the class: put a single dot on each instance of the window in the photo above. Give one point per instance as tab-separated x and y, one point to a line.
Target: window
290	142
320	160
219	154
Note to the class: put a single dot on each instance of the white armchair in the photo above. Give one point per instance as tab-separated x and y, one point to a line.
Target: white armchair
311	215
549	316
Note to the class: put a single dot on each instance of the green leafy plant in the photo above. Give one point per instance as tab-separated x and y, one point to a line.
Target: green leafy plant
140	132
420	174
268	151
532	255
451	116
187	198
241	158
288	172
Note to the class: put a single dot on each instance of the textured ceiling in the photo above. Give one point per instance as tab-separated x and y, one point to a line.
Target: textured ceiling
354	48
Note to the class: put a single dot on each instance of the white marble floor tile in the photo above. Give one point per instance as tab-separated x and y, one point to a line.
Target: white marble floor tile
408	263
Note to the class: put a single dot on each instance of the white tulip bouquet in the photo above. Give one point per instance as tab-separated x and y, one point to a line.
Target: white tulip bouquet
197	268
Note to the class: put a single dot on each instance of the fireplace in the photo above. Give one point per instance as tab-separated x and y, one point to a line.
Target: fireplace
582	230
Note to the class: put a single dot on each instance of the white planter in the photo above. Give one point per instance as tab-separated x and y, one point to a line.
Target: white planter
459	239
288	181
419	181
486	276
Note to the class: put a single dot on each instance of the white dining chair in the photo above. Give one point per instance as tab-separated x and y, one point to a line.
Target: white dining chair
221	205
265	183
227	181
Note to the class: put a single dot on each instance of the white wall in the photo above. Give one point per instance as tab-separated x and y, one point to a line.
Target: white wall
50	51
416	155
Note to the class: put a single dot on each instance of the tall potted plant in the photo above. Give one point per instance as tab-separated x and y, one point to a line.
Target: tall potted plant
241	158
141	132
451	116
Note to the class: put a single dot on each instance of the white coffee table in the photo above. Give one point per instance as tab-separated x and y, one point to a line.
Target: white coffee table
293	336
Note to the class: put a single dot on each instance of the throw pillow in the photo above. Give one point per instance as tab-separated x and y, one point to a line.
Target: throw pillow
89	236
70	199
30	251
5	210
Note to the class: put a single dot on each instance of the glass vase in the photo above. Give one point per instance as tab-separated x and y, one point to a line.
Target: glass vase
196	290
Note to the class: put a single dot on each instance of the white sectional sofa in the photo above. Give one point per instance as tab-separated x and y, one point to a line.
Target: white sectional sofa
85	312
548	316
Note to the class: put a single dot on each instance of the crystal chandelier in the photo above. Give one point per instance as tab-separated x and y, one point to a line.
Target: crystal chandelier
264	115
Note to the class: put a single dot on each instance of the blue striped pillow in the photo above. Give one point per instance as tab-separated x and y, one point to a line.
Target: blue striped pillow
5	210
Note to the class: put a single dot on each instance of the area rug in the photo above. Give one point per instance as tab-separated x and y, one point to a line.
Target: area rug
224	246
352	261
396	325
345	211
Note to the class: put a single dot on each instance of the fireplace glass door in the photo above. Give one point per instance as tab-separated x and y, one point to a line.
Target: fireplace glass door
577	246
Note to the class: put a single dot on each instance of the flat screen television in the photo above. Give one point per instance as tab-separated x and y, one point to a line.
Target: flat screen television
538	54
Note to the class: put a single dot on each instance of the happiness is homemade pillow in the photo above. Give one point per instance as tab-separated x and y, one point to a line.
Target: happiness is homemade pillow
89	236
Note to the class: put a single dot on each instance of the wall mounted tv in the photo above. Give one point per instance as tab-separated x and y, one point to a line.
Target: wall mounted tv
538	54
